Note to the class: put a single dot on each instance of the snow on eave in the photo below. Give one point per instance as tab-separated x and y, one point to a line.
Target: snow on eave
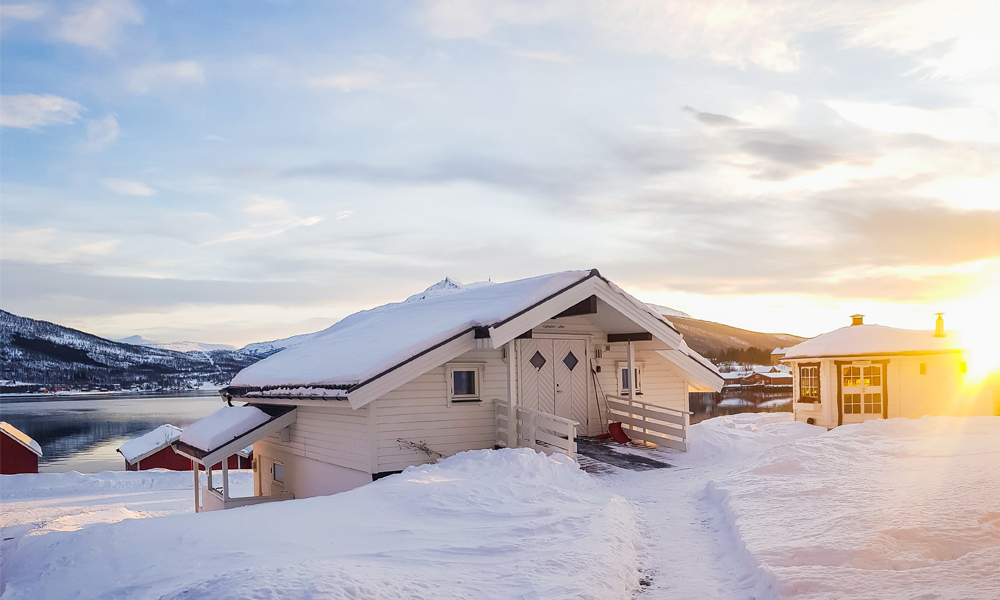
149	443
20	437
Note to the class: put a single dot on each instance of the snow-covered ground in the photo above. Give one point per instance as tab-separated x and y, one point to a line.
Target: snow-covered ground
886	509
760	507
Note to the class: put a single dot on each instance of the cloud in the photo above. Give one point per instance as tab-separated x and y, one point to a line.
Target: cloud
347	82
953	37
128	188
101	133
97	24
266	216
28	111
146	77
49	246
21	12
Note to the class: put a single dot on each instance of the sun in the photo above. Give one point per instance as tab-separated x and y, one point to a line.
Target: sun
978	321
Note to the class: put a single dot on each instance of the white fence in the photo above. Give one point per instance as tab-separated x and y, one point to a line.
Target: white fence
650	423
538	430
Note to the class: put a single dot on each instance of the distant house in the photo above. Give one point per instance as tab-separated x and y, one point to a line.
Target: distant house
153	450
863	372
18	452
534	362
767	379
777	354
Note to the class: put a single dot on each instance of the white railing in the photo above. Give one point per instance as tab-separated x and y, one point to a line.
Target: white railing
502	423
537	430
650	423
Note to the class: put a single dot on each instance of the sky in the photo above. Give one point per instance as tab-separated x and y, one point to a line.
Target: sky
239	171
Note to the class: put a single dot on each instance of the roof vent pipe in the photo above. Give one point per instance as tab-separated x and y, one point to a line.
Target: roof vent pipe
939	325
857	320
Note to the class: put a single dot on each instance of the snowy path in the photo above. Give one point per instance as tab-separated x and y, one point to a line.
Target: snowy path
688	551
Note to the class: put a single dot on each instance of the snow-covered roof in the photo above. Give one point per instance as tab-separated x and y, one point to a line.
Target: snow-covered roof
778	351
149	443
231	430
223	426
351	359
20	437
863	340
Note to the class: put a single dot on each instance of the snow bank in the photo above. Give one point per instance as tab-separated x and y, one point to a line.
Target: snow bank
884	509
481	524
149	443
223	426
747	434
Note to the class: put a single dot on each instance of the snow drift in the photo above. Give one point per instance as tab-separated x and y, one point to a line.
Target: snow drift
885	509
481	524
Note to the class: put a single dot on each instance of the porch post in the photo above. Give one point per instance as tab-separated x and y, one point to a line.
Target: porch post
194	468
511	395
631	372
225	480
208	471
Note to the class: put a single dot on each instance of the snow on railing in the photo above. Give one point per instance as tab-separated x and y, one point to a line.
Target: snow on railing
537	430
659	425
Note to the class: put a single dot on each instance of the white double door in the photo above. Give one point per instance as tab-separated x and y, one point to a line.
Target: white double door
553	377
862	392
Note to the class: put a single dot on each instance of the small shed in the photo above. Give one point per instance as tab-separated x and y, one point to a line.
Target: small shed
18	452
153	450
862	372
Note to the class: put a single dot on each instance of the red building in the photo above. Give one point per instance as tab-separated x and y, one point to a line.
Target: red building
18	452
152	451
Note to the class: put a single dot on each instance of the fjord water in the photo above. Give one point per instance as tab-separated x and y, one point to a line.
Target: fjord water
83	432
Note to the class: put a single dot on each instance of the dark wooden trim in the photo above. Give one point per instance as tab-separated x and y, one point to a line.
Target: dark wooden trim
482	333
587	306
641	336
381	474
524	336
819	380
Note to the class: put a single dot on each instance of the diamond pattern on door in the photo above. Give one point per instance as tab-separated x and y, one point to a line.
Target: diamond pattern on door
570	361
537	361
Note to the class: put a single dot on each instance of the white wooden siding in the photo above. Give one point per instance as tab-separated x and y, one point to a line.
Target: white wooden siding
662	384
334	434
419	411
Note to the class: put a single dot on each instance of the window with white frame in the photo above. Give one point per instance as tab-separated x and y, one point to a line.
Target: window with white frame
279	472
809	383
464	382
624	381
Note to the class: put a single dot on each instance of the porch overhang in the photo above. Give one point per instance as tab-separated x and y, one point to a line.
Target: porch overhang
279	417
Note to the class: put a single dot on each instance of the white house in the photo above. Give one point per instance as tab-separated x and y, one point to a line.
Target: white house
863	372
533	362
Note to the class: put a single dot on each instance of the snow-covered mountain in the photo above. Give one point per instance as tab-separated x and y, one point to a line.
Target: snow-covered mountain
50	354
666	311
139	340
265	349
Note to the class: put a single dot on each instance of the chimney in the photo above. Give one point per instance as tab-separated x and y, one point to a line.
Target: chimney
939	325
857	320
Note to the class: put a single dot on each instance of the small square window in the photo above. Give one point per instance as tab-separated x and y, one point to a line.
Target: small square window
464	382
279	472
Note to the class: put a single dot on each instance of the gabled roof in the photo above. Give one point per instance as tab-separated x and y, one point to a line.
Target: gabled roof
874	340
230	430
20	437
373	351
149	443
